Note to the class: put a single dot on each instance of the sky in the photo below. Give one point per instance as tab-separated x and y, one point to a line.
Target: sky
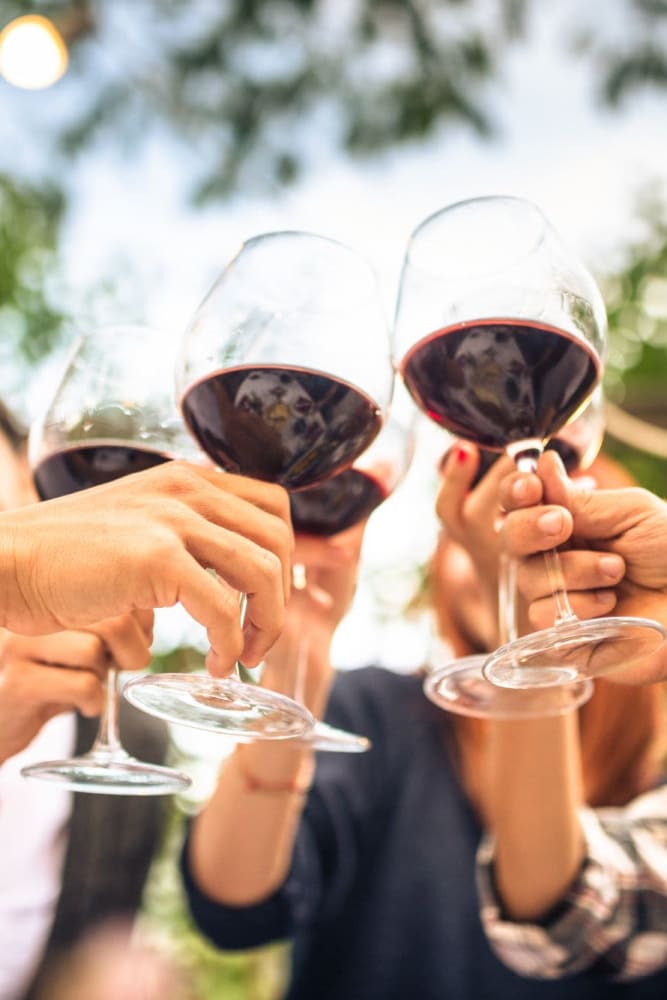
556	146
581	164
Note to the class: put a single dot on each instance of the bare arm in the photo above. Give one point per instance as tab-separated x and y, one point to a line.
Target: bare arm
616	562
242	841
535	777
539	843
531	785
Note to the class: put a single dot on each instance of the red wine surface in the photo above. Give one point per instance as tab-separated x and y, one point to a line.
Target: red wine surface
336	504
291	426
496	382
82	466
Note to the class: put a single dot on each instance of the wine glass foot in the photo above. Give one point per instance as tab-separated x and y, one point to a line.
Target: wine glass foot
460	687
230	707
333	740
113	773
577	649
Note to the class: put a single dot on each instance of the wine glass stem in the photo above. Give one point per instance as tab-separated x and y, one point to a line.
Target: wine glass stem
507	613
297	683
527	462
107	742
235	675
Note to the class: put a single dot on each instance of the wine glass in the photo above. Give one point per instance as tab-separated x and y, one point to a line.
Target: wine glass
459	685
334	506
501	335
285	375
110	416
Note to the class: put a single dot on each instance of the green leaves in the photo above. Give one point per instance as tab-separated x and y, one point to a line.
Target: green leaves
31	323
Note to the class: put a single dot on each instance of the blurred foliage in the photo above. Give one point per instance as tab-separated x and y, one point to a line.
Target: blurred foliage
636	369
629	50
30	221
649	470
256	79
183	660
255	975
245	85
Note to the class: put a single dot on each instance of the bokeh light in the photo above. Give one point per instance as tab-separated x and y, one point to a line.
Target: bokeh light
33	54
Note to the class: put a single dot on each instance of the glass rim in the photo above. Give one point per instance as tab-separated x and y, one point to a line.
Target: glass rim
304	235
464	203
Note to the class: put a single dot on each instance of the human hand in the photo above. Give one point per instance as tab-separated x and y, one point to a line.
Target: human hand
469	513
146	541
466	561
616	557
42	676
326	572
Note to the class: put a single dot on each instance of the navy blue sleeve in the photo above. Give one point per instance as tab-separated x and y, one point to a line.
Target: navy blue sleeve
345	807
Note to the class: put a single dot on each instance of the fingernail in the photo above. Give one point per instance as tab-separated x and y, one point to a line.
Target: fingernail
461	455
611	566
519	489
551	523
607	598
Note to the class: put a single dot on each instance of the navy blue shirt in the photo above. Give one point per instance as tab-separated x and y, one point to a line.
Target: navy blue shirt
380	901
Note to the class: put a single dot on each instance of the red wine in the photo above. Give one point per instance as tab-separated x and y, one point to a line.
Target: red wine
285	425
496	382
337	504
84	465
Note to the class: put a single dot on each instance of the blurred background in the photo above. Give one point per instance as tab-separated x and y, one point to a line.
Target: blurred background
142	140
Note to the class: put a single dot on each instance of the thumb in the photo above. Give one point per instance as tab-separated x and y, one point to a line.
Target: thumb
557	486
600	515
596	514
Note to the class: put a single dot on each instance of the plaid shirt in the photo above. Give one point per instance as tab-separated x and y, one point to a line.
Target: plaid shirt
614	915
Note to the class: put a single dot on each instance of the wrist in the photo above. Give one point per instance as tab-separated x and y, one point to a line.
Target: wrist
291	776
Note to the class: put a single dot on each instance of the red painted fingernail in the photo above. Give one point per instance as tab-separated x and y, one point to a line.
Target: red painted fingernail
461	455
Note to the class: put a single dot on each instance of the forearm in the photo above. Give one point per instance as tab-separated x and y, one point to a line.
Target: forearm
241	844
535	774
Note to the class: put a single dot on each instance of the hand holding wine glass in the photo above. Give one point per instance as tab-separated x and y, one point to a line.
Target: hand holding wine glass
45	675
285	375
112	417
158	533
470	559
103	423
614	563
501	334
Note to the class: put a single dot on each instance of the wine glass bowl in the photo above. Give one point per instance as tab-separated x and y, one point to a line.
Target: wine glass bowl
577	443
500	334
110	415
279	377
284	375
352	495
